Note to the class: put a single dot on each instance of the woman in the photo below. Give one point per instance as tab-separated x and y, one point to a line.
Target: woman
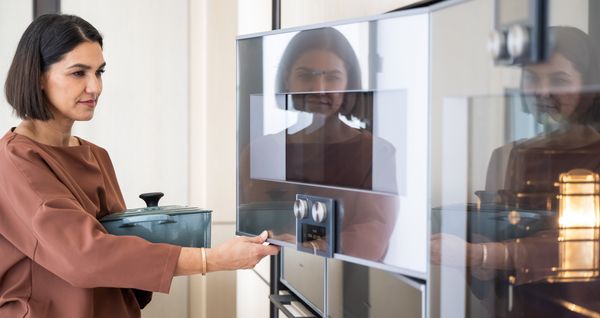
57	259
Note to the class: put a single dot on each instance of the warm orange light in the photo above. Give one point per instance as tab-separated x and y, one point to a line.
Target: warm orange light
579	221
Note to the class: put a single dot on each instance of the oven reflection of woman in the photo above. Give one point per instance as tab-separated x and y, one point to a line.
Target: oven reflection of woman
320	75
563	93
56	258
319	67
321	72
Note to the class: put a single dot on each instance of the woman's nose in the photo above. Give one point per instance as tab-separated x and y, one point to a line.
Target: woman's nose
318	83
94	85
540	88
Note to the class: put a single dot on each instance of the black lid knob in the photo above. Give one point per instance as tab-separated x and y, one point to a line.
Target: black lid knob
151	198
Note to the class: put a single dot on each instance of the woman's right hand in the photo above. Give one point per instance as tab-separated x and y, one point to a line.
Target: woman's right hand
451	250
239	253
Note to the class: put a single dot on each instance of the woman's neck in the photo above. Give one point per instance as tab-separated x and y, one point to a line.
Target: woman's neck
51	132
328	129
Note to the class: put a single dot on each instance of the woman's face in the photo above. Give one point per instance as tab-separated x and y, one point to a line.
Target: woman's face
73	84
319	71
553	87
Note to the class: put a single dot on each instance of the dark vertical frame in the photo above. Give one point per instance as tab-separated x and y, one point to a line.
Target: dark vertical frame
45	6
594	20
274	283
276	15
275	260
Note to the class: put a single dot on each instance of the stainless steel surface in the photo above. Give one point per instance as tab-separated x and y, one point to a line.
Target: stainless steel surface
304	274
474	147
369	169
360	291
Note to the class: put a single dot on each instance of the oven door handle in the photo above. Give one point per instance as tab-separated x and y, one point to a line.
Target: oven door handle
155	218
281	302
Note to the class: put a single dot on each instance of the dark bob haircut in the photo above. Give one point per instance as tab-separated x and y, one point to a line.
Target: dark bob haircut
45	42
581	50
335	42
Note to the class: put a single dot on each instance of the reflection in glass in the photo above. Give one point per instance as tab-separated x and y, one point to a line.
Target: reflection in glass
329	151
579	221
530	247
321	71
325	137
326	115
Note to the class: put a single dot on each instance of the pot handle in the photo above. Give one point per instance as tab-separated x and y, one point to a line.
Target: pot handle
151	198
158	218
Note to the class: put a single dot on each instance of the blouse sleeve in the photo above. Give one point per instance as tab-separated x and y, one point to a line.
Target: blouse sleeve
43	219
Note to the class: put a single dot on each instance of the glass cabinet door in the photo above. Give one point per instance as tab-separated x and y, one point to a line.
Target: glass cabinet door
339	112
515	209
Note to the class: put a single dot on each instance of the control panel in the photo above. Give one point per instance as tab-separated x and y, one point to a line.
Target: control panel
315	220
520	35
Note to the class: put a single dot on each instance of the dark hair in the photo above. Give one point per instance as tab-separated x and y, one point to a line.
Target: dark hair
335	42
45	41
582	51
579	48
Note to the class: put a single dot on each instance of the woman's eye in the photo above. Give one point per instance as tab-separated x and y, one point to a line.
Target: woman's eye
333	78
100	72
560	82
79	74
305	76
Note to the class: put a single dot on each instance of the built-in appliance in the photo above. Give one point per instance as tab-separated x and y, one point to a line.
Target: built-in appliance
414	164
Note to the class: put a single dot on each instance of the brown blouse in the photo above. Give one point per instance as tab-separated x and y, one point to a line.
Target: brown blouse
56	259
345	164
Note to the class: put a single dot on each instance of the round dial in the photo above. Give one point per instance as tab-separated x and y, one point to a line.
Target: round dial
319	212
497	45
300	209
518	41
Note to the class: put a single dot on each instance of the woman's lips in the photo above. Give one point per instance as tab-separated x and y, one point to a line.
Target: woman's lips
89	103
318	101
549	108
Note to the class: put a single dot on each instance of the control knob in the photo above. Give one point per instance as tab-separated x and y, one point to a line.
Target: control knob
300	209
497	45
319	212
518	41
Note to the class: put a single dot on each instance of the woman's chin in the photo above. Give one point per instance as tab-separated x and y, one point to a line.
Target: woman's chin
86	117
325	110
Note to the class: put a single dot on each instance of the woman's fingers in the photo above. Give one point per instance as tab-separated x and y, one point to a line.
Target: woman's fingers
243	252
259	239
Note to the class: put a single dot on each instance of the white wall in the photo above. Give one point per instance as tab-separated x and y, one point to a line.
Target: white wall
213	26
15	16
